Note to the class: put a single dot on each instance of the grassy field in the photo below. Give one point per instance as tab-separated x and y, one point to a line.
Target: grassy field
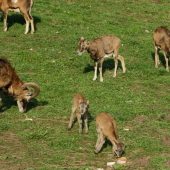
138	100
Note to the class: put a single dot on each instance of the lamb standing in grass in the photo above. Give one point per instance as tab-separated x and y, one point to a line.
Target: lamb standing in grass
100	48
82	106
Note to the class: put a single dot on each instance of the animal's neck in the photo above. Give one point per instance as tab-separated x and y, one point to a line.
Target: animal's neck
115	139
15	89
90	49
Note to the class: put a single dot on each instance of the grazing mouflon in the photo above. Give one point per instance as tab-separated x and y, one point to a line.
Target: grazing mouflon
106	128
12	85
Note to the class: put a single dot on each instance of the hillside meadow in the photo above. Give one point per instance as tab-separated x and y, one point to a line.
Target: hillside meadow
138	99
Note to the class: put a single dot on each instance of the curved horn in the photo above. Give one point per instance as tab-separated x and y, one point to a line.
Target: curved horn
34	86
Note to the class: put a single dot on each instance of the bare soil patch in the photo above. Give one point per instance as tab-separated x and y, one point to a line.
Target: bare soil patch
128	125
137	119
167	163
168	111
11	150
140	119
28	73
151	107
154	1
155	133
167	118
133	61
168	87
136	86
141	162
166	141
10	137
143	18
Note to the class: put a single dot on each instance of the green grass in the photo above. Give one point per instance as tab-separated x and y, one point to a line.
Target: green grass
138	99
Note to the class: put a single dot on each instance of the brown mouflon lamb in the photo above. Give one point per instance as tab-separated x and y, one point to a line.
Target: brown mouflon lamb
106	128
82	106
101	48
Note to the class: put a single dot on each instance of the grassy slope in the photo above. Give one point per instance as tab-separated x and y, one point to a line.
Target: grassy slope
138	100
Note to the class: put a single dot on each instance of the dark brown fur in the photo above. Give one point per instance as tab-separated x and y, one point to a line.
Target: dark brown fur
12	85
9	77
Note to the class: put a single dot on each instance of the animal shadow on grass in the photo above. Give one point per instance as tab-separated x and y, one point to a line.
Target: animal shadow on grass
90	119
161	58
108	64
8	101
18	18
35	103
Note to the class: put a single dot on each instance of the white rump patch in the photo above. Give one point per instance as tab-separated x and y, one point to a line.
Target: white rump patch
108	55
14	10
14	1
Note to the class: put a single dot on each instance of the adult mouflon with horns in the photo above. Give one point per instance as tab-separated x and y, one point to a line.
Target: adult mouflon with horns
12	85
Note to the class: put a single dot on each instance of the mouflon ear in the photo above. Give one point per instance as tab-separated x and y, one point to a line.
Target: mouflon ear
82	38
87	102
79	101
